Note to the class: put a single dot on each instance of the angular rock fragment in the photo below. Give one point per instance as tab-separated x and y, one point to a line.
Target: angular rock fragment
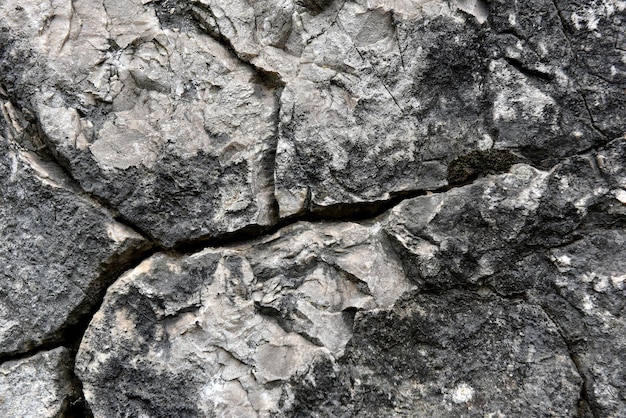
223	331
39	386
168	128
468	235
59	251
554	239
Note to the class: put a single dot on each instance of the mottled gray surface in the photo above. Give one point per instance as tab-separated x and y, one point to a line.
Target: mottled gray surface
381	95
59	251
490	277
225	330
37	386
168	128
450	355
323	208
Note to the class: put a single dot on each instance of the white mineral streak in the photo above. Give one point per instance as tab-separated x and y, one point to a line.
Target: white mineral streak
462	393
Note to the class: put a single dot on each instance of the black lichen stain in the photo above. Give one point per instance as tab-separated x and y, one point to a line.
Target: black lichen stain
468	167
315	6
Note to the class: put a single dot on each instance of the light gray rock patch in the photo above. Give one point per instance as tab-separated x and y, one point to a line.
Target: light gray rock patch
40	386
228	328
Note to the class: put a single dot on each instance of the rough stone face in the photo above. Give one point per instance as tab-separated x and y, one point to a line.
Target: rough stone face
466	236
364	208
449	355
223	331
380	96
59	250
590	276
462	304
545	238
37	386
168	128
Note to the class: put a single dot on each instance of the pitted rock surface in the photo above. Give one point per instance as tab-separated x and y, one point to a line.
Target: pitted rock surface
242	321
310	208
38	386
59	252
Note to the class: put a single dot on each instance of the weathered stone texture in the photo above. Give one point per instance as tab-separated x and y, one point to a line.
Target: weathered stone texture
38	386
229	328
167	127
488	286
313	208
58	250
453	355
380	96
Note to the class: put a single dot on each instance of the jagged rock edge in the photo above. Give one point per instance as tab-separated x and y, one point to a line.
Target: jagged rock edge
71	335
369	212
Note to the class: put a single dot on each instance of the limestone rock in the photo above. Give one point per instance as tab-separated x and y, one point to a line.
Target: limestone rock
168	128
380	96
40	386
317	208
590	277
223	331
59	251
544	237
448	355
449	293
470	234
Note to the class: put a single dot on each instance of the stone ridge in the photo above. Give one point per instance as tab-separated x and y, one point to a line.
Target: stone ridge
312	208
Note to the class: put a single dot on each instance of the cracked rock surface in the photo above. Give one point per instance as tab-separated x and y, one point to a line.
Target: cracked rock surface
59	252
242	321
312	208
168	128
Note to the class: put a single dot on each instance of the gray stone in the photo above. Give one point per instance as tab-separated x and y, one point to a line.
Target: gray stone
590	276
223	331
168	128
381	96
39	386
553	239
361	208
59	251
459	303
447	355
468	235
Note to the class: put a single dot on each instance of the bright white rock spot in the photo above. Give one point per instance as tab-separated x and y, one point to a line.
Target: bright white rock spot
462	393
